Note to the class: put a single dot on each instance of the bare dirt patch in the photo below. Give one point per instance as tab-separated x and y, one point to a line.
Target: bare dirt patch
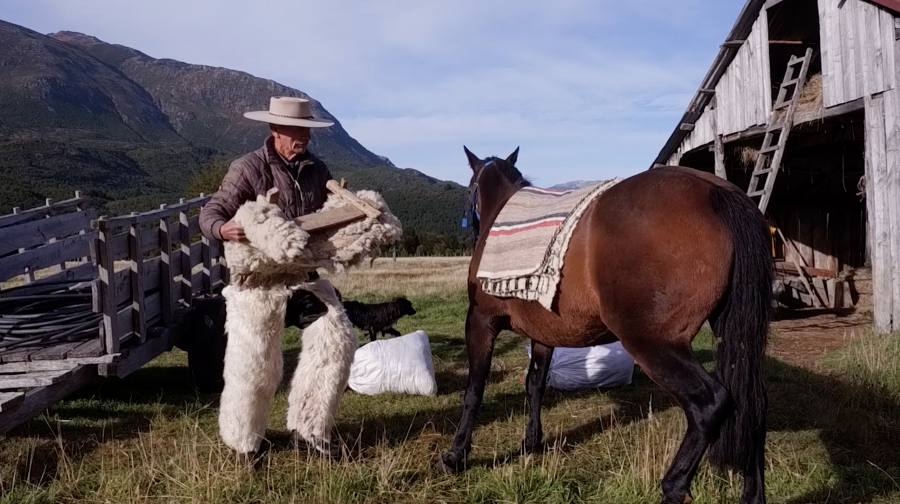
801	337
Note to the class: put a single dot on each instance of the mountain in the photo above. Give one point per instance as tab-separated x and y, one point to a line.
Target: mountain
576	184
132	131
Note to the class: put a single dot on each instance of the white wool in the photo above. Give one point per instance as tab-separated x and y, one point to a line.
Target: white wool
323	369
278	254
254	323
277	250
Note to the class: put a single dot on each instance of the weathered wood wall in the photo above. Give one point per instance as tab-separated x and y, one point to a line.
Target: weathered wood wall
827	238
858	50
743	96
883	204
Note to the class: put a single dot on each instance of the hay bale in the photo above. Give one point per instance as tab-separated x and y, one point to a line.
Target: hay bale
811	96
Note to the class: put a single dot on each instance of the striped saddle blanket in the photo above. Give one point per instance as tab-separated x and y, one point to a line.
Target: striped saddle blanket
525	247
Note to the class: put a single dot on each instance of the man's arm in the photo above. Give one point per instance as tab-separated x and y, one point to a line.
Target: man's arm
220	209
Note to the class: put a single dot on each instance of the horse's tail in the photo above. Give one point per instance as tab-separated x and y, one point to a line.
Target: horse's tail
741	329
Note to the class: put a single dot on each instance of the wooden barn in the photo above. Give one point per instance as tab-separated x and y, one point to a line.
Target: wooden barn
802	108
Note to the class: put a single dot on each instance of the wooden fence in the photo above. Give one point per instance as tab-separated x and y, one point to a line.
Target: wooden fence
167	263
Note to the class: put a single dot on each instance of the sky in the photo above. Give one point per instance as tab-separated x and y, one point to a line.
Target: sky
587	89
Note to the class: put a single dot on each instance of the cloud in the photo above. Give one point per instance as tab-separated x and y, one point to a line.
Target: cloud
415	80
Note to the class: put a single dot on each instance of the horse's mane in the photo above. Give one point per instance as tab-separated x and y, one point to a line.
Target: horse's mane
510	172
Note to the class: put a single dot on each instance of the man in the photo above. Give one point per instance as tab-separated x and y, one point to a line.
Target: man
283	162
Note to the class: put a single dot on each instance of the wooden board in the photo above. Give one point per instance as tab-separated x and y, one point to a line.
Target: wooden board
39	399
155	215
8	400
892	191
90	348
158	343
876	170
39	232
324	220
45	256
36	379
41	212
83	272
54	365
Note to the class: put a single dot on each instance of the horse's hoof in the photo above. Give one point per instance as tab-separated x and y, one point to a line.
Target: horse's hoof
532	448
445	465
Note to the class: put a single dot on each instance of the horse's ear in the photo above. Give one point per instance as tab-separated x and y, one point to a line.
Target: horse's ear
473	159
513	157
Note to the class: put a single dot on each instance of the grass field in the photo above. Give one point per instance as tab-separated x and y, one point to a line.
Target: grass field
151	438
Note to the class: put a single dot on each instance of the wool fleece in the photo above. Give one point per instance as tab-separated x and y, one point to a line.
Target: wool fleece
276	258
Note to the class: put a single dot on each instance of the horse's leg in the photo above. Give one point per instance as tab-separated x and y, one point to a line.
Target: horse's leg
706	404
481	332
535	385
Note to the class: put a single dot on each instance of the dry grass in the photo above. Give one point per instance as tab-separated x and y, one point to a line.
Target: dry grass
410	276
150	438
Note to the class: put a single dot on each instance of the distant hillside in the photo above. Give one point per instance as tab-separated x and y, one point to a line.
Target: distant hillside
577	184
132	131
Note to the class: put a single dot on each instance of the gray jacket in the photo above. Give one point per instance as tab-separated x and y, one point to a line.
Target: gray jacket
257	172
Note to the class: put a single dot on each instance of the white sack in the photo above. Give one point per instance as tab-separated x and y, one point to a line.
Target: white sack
590	367
402	365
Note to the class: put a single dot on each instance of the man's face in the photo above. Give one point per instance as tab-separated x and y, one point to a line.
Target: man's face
291	139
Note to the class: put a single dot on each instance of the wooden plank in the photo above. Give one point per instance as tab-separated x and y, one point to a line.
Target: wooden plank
826	49
126	315
871	48
155	215
847	15
207	265
167	271
37	400
765	73
89	349
370	209
186	259
19	354
37	379
150	240
55	365
107	290
892	191
8	400
38	232
56	351
890	48
45	256
876	164
139	320
150	276
83	272
324	220
160	341
41	211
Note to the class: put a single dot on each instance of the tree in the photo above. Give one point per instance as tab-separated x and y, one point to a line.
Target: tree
207	179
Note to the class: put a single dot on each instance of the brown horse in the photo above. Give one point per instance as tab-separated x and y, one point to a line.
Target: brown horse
650	260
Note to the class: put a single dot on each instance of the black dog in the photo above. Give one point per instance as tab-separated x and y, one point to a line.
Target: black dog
378	317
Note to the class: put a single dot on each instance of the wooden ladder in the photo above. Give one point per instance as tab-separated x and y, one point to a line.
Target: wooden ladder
769	160
777	132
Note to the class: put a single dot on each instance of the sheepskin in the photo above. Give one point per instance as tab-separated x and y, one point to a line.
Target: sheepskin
276	257
254	321
322	372
278	251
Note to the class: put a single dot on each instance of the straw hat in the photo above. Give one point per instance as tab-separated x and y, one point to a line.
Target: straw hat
288	111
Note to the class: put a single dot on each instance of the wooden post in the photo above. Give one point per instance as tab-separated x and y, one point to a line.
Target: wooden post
138	310
892	139
166	272
29	275
106	268
876	171
185	237
207	265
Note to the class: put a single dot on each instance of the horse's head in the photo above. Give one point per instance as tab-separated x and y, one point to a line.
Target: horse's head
493	181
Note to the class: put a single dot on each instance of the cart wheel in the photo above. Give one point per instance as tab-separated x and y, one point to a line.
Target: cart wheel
206	344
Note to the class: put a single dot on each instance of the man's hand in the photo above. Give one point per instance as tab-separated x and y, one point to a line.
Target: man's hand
232	231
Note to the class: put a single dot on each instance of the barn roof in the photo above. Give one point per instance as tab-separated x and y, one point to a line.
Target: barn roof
727	51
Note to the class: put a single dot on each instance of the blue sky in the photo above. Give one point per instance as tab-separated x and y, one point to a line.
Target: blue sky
589	89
